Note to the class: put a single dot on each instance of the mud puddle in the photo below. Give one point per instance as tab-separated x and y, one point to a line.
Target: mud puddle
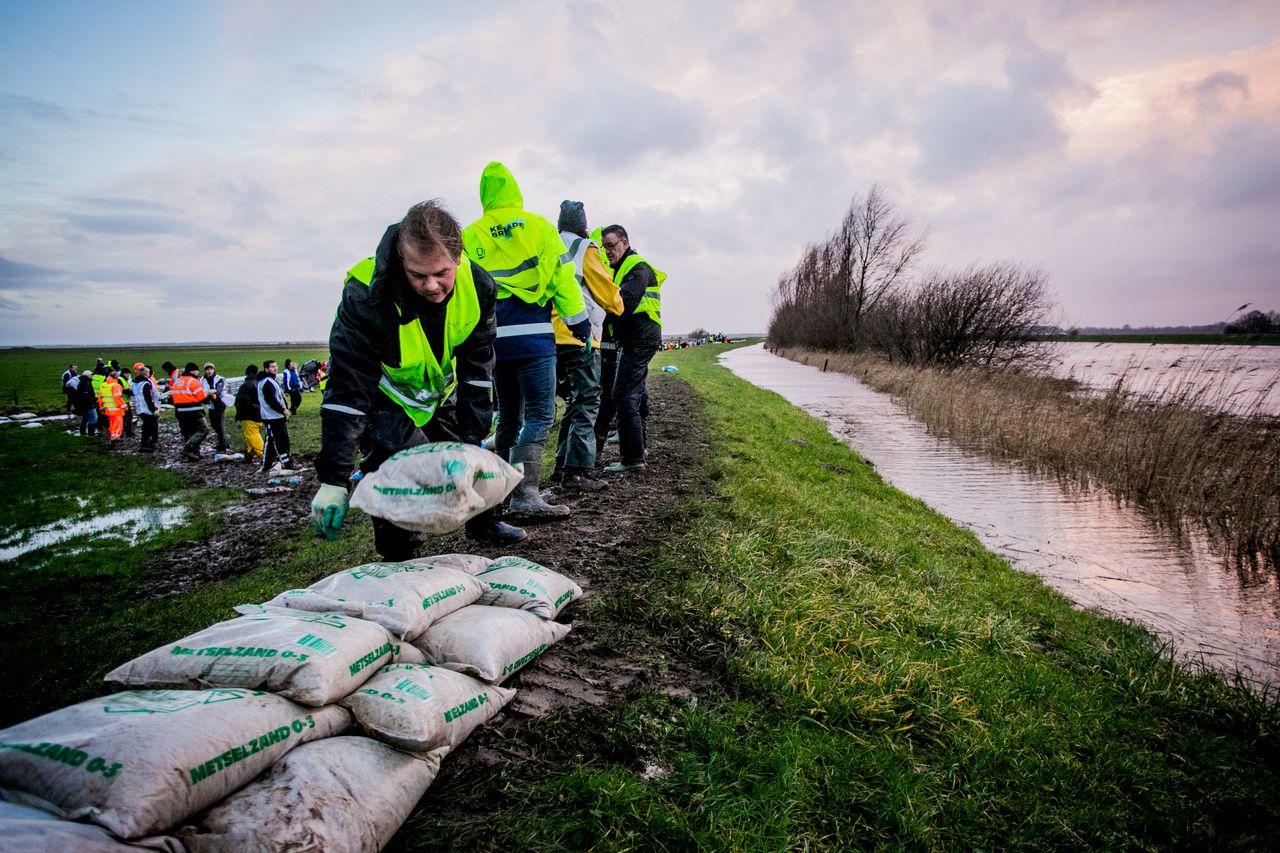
128	526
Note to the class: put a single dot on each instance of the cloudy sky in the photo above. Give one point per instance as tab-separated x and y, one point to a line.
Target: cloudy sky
208	170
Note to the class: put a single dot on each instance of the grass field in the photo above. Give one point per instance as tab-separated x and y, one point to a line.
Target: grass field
30	379
885	681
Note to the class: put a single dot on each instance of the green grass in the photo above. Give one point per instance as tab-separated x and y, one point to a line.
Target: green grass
82	607
888	683
31	379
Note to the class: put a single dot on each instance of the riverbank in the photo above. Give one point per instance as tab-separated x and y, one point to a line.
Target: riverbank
1185	457
777	651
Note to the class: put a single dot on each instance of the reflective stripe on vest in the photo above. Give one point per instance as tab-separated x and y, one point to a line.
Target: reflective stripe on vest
188	392
651	302
420	384
111	397
506	243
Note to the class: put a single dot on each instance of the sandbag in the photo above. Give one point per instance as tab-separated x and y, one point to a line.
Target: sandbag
523	584
312	658
341	795
420	708
435	487
140	761
469	563
32	830
489	643
404	598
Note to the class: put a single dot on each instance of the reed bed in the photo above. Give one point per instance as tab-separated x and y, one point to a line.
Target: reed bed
1193	448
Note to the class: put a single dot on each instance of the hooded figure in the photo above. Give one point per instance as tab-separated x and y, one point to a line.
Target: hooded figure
528	261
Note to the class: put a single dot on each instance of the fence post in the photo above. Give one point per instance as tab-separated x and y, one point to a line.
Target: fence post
824	365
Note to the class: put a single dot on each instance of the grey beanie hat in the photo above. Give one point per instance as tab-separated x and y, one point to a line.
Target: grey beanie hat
573	218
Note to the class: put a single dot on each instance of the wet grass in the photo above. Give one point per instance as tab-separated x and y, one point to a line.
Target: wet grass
73	611
887	684
1191	448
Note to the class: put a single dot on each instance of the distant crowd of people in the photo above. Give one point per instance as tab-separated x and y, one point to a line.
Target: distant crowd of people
111	397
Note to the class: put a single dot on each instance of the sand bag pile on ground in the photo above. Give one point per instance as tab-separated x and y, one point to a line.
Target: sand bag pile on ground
435	487
404	598
312	658
30	829
488	643
523	584
469	563
420	708
340	795
141	761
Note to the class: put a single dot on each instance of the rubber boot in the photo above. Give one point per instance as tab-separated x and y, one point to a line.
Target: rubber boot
526	501
488	527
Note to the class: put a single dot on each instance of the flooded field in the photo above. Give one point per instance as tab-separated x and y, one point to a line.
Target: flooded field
1240	376
1099	553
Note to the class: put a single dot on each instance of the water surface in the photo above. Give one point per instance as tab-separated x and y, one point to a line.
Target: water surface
1099	553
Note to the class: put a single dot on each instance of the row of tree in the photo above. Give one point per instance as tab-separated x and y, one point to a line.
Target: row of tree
857	290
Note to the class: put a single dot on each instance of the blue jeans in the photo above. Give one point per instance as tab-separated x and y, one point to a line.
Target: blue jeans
526	390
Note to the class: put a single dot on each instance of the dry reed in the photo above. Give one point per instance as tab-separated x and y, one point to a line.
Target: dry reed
1188	448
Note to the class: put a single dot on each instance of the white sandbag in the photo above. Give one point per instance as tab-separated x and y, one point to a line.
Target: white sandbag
435	487
341	795
139	762
32	830
489	643
419	708
469	563
404	598
523	584
312	658
410	653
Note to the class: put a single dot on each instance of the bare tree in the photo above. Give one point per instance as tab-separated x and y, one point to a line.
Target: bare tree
872	250
822	301
984	315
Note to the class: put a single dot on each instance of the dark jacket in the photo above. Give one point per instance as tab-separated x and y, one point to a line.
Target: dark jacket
270	394
366	335
633	328
247	401
85	398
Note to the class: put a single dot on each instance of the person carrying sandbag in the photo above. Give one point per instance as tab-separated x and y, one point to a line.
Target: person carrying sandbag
415	327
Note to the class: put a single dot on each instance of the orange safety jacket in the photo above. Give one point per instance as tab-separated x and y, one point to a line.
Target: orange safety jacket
188	393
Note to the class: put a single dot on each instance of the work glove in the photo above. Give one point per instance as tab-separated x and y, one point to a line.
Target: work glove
328	509
588	343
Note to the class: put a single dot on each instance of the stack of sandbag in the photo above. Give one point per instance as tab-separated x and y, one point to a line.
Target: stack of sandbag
244	757
436	487
312	658
404	598
509	625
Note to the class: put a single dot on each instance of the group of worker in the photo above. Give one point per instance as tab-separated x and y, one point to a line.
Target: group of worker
200	398
444	320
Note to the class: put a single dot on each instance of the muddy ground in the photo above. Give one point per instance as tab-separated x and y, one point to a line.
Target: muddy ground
605	545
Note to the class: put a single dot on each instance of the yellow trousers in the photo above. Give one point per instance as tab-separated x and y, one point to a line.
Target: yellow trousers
252	438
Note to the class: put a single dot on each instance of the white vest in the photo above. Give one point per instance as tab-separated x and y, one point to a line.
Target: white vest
578	248
139	401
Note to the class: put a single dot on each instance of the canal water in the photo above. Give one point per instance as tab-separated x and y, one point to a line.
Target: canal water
1098	552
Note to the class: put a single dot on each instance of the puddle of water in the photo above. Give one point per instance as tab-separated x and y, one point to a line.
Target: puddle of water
1099	554
127	525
